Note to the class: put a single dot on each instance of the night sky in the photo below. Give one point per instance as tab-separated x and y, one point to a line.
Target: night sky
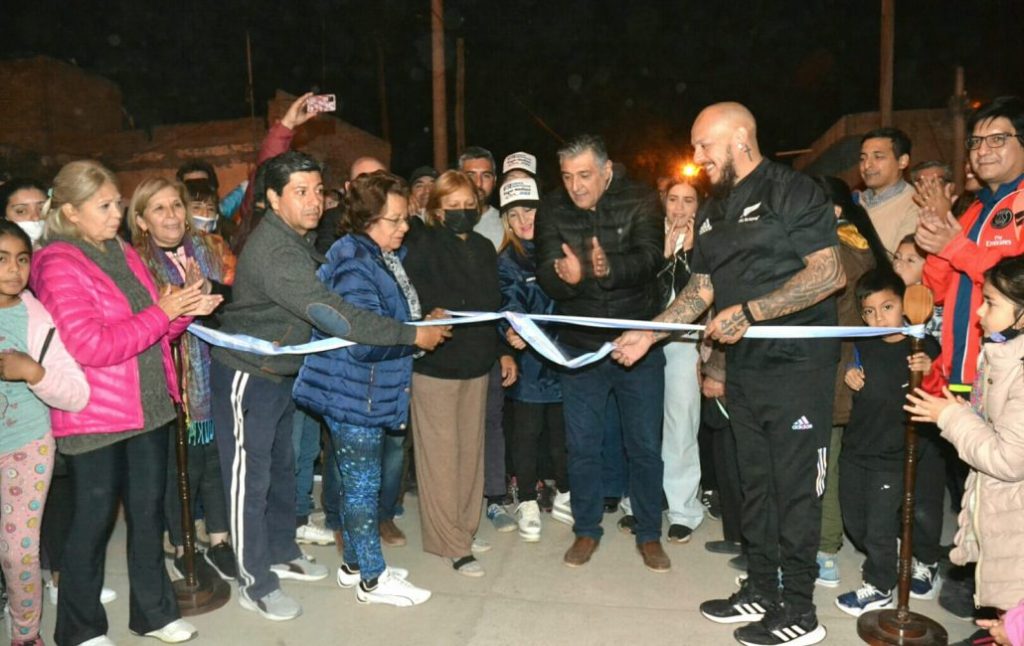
636	72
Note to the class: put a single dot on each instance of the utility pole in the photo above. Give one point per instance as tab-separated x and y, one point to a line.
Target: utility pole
382	93
888	39
440	102
460	94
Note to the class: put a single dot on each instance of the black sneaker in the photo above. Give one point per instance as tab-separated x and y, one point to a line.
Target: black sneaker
957	594
203	571
545	497
782	625
611	504
679	534
712	505
222	559
743	605
627	524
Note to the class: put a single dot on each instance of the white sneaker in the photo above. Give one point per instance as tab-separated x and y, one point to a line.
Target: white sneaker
176	632
561	508
311	534
348	578
102	640
479	546
528	518
107	595
392	590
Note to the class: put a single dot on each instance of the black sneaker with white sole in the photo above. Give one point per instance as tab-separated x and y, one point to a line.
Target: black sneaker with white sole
743	605
782	625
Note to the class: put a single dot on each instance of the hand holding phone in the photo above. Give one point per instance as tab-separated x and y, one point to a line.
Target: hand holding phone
321	103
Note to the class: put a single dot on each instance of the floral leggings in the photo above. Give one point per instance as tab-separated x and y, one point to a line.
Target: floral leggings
24	479
358	451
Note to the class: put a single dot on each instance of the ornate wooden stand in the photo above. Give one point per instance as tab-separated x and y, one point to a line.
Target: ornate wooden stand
901	626
196	595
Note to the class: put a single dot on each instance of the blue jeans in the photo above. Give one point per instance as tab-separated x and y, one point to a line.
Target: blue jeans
331	492
306	444
358	451
390	482
614	470
640	393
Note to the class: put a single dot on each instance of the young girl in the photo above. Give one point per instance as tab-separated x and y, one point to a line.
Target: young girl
35	372
989	435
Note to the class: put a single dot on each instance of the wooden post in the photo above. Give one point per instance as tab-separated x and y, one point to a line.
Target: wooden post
888	38
440	99
382	93
196	595
959	107
460	94
251	92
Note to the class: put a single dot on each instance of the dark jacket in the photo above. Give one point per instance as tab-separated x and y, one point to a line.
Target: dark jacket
629	226
363	385
276	297
455	274
538	381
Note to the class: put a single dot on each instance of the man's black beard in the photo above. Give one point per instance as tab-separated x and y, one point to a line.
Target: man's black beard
721	189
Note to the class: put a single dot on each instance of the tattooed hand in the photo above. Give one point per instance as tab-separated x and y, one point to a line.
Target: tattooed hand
729	326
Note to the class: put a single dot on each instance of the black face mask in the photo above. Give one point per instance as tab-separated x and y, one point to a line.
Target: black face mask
460	220
1008	334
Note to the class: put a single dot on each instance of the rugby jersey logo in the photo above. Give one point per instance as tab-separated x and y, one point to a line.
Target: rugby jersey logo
749	214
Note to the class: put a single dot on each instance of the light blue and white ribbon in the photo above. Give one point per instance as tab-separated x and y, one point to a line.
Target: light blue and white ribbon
526	326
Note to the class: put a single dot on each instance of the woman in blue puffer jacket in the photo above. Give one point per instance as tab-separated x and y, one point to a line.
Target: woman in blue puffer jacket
538	427
361	391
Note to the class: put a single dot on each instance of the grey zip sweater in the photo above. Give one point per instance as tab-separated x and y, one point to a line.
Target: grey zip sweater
277	297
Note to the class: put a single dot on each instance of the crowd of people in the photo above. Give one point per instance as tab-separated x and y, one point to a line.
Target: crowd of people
794	444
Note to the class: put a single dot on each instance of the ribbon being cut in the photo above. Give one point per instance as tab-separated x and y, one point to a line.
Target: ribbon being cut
526	326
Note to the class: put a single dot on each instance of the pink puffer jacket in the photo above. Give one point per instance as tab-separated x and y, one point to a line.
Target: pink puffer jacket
96	323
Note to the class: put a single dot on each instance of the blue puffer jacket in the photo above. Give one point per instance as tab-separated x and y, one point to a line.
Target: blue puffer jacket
362	385
538	381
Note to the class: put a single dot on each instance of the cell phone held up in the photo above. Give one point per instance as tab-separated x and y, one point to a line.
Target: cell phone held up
321	103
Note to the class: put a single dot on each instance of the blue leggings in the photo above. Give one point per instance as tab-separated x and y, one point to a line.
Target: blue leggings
358	451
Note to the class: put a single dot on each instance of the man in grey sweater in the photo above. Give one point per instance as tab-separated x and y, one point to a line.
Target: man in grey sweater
277	297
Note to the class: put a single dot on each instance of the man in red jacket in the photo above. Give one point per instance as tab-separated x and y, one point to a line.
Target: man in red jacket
990	230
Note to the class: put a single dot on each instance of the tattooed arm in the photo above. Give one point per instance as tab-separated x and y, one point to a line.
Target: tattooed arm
822	275
695	298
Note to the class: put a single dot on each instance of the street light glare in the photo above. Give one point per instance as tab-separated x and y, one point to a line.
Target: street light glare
689	169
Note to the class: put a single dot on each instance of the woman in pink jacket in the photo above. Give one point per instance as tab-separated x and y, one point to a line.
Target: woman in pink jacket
989	436
36	372
118	327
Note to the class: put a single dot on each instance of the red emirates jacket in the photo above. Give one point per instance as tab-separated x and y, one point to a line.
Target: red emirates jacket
956	274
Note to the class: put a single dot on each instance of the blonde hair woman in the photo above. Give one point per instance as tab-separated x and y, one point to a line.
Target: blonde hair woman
118	327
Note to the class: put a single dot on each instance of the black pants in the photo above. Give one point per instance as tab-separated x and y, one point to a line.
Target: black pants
253	422
929	494
205	486
727	476
871	502
133	470
60	506
782	428
538	429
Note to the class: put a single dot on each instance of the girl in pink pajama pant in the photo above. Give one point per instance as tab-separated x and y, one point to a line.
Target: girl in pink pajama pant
36	373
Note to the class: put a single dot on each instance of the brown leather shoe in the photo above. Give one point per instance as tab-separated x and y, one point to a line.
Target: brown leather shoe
390	534
655	558
581	551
